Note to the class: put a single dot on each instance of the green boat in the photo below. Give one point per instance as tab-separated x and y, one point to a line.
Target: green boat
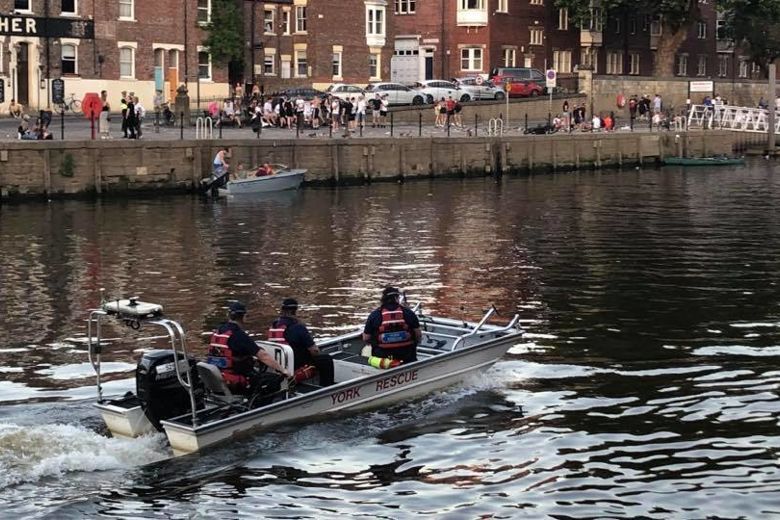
704	161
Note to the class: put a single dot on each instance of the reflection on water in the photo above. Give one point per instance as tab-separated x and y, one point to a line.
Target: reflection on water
646	385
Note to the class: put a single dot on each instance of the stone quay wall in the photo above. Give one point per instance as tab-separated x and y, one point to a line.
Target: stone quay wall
33	169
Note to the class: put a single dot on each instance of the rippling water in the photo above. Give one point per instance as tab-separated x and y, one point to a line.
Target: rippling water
646	385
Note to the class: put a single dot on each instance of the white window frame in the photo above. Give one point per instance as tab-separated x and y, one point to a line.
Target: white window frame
301	21
286	21
208	13
633	63
479	5
337	64
562	61
132	47
408	6
375	21
701	30
723	65
614	62
744	63
377	57
509	57
503	6
130	18
537	2
681	65
701	65
210	76
273	20
656	26
719	30
27	10
75	11
296	58
536	36
473	57
75	46
563	19
269	54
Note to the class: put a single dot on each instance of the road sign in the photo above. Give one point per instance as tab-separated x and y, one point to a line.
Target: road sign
479	80
551	78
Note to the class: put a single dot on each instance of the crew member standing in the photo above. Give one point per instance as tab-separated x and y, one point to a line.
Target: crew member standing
289	331
234	352
393	330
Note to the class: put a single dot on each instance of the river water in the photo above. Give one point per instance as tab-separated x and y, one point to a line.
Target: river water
646	385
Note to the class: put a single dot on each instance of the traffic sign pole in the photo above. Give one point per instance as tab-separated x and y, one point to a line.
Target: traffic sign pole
551	78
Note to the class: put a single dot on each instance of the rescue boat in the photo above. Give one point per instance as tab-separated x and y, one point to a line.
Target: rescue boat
188	400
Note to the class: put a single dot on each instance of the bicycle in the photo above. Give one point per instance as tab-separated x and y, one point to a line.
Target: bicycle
71	103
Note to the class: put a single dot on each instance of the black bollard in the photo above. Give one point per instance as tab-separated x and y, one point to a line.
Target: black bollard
526	122
92	124
549	122
297	131
391	124
448	125
156	121
181	125
62	124
220	131
330	130
476	124
361	129
419	123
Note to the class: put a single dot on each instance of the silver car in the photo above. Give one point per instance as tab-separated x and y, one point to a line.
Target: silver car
478	89
435	89
396	93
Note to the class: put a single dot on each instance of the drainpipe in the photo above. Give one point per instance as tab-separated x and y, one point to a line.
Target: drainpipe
443	38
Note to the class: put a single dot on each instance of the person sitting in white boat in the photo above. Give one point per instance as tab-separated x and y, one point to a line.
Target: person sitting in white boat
288	330
234	352
393	330
265	170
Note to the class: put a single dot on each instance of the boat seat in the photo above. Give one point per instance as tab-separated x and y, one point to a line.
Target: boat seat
212	380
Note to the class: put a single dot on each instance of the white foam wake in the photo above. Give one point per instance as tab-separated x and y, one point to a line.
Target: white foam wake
29	453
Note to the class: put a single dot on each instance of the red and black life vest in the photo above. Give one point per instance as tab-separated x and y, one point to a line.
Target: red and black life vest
222	357
276	332
393	331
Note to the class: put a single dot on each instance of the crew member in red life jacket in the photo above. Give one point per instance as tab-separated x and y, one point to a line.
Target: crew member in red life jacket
234	352
289	331
392	329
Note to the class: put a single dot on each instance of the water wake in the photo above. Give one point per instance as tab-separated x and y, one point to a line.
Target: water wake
29	453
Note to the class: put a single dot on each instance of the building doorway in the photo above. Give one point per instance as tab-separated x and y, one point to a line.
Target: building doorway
23	74
429	64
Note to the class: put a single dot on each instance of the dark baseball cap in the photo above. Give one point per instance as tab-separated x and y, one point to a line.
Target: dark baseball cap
389	292
290	303
237	308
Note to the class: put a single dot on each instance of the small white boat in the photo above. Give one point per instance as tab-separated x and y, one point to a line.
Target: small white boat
190	402
283	178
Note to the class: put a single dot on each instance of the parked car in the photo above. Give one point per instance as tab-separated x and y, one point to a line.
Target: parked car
435	89
522	81
344	91
476	88
303	92
397	94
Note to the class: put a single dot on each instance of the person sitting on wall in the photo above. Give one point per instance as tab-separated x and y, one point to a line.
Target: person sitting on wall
15	109
24	132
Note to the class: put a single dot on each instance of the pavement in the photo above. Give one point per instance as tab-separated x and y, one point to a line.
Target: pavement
76	128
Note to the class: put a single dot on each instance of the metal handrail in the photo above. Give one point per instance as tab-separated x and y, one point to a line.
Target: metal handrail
170	325
94	316
490	312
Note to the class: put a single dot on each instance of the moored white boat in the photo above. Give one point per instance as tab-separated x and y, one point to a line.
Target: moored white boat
283	179
191	403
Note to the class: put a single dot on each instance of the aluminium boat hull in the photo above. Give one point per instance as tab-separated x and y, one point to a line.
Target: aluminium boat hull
285	180
374	388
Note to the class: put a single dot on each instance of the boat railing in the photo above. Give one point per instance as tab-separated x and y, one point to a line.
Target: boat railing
461	341
175	334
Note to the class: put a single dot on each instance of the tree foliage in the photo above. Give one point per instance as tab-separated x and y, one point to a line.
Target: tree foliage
754	25
225	39
676	17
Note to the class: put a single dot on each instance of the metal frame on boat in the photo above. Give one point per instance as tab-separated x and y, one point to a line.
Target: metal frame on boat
449	350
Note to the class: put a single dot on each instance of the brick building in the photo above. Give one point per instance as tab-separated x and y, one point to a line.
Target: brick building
319	42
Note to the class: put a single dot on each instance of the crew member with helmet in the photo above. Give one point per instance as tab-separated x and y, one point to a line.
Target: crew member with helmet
288	330
392	329
234	352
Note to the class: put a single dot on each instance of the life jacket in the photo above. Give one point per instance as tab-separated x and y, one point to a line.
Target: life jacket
276	332
222	357
393	331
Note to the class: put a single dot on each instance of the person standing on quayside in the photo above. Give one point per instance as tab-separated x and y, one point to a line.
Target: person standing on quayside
234	352
392	329
289	331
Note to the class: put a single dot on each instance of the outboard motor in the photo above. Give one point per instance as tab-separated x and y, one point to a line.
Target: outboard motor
159	390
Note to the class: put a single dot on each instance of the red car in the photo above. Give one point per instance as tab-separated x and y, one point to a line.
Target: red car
521	81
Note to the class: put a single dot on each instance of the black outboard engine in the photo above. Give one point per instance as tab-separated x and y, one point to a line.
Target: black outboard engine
159	390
